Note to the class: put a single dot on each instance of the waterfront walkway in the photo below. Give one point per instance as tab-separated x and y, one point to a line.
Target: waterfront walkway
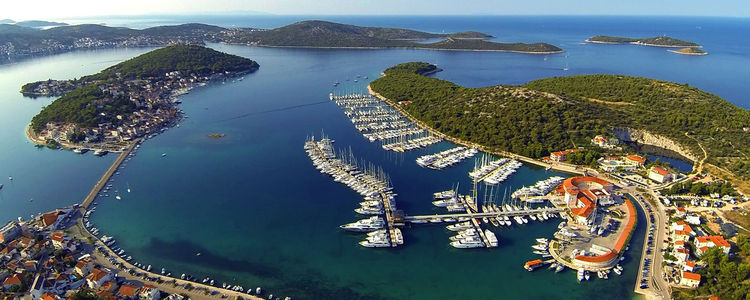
107	175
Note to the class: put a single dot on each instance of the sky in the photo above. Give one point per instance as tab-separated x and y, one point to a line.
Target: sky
62	9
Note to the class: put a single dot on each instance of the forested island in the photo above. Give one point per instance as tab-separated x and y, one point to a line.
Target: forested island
17	41
128	100
334	35
657	41
548	115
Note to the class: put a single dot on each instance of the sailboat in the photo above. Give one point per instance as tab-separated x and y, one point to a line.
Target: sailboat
566	64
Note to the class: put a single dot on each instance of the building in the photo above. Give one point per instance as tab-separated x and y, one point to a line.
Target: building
604	257
11	281
582	195
128	291
690	279
84	266
561	155
50	218
604	142
149	292
703	243
98	277
659	174
681	231
635	159
10	232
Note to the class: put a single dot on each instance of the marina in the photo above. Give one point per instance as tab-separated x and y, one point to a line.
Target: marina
446	158
379	122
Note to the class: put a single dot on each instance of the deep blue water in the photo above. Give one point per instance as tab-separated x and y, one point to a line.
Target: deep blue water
258	212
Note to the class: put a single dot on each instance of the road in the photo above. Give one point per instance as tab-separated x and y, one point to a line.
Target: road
657	287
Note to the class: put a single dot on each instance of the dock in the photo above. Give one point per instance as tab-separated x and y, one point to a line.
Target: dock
107	175
389	220
470	214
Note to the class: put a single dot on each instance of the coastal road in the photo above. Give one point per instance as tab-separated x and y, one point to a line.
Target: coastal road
166	283
657	286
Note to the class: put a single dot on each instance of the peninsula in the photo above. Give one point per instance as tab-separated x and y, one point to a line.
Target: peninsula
547	115
132	99
18	41
657	41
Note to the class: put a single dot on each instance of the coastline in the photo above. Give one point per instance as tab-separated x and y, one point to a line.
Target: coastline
557	166
406	48
683	53
641	44
31	135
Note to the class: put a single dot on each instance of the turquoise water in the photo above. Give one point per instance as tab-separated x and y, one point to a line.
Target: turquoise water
260	214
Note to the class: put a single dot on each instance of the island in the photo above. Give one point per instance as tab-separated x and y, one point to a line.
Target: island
689	51
17	41
130	100
322	34
547	115
658	41
39	24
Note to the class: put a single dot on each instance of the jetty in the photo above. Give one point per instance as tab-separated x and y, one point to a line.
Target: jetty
475	215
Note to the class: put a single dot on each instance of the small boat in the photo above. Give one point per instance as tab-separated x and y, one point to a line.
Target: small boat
587	275
163	154
118	197
1	186
541	240
559	268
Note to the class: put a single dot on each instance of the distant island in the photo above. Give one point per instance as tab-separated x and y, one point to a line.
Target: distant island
658	41
39	24
17	41
129	100
550	114
689	51
322	34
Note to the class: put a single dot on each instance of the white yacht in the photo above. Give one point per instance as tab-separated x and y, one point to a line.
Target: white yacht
365	225
580	274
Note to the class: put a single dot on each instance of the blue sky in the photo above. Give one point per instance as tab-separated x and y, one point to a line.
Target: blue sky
54	9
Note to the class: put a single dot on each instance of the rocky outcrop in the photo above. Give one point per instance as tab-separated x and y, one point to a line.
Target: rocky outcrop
648	138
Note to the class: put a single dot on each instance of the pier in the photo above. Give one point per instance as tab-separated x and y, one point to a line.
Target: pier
107	175
474	215
389	219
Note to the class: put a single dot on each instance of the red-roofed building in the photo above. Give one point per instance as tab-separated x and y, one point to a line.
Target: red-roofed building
635	159
690	279
98	277
703	243
50	296
84	266
582	194
561	155
689	266
128	291
659	174
50	218
149	292
11	281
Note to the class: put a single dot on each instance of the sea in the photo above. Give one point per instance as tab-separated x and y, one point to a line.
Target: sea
250	209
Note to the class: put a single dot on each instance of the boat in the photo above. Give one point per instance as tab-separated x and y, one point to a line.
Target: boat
580	274
532	264
163	154
100	152
559	268
118	197
1	186
365	225
463	244
540	252
540	247
586	275
541	240
80	150
491	237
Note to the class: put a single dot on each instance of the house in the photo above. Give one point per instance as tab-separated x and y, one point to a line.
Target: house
84	266
10	231
50	296
98	277
693	220
604	142
149	292
659	174
635	159
703	243
128	291
689	266
681	231
561	155
690	279
50	218
12	281
582	194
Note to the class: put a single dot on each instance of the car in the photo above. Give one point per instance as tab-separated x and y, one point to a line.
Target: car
644	286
